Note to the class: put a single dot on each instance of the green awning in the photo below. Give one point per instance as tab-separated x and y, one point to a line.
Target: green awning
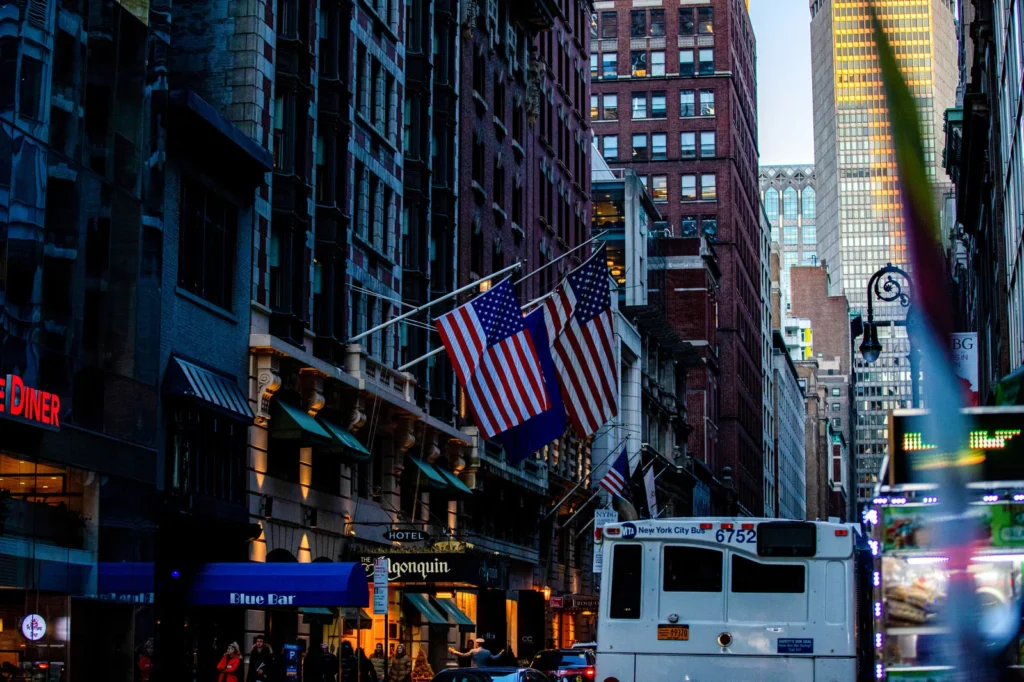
421	603
464	622
291	423
453	481
1008	390
430	473
361	619
345	441
315	611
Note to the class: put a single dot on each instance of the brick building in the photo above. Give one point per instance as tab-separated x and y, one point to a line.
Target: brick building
674	99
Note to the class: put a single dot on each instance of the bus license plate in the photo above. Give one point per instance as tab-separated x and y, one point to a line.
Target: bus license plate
674	633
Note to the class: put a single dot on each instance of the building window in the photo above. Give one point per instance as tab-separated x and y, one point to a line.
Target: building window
640	147
206	261
707	102
288	18
686	25
810	236
639	105
610	147
705	20
659	146
31	87
791	236
207	455
609	65
688	226
611	107
707	62
789	203
478	160
809	203
657	28
708	187
499	97
688	145
689	188
686	62
659	187
638	63
657	105
686	103
789	259
593	65
658	63
594	113
836	392
709	227
771	204
837	422
284	132
609	24
707	144
638	23
837	407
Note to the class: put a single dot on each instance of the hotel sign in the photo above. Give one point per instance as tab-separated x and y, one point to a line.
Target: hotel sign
28	404
426	567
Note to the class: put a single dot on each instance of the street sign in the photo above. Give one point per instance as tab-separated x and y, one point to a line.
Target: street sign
602	517
405	536
380	587
556	602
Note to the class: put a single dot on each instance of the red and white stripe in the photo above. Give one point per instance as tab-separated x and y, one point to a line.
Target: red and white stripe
613	482
504	383
584	358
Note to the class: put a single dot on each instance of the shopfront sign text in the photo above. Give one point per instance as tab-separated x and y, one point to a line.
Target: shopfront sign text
28	404
269	599
426	567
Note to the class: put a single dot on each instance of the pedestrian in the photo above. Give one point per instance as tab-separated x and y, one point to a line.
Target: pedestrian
349	663
367	673
378	660
320	665
261	661
480	657
400	668
230	662
145	660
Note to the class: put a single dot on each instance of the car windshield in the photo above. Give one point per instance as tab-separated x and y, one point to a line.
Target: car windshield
558	660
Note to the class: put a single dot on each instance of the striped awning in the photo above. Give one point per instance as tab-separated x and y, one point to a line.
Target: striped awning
214	390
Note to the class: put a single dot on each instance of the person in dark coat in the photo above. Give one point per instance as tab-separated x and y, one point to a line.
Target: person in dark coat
261	662
367	673
349	663
321	665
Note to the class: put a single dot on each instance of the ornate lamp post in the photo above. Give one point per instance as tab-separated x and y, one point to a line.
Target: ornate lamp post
885	286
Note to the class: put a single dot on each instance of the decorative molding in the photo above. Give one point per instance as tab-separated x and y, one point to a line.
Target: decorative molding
311	382
356	413
268	380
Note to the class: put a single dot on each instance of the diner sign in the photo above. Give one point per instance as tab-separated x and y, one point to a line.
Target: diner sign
28	404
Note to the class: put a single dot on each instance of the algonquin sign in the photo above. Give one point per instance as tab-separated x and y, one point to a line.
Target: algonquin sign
28	404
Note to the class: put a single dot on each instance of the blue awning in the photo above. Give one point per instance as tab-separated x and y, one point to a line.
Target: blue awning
126	581
281	584
215	391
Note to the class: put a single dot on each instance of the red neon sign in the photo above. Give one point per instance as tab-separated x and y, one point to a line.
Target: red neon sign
28	404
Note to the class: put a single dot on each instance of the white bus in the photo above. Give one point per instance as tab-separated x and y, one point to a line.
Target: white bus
734	600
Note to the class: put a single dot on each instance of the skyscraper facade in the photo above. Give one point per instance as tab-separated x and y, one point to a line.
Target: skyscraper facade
860	223
790	202
674	98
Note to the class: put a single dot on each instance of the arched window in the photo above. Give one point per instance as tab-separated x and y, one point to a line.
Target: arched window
789	203
809	204
771	203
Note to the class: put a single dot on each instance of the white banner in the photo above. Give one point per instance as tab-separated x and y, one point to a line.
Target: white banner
965	364
380	587
602	517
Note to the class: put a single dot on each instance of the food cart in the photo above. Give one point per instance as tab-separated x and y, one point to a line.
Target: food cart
911	578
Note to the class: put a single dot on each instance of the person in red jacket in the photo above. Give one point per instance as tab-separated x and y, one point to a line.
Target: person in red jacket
229	664
145	660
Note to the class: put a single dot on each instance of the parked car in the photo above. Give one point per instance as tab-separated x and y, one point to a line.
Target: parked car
585	645
491	675
570	665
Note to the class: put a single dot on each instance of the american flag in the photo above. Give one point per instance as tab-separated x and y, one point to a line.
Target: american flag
581	329
494	359
617	477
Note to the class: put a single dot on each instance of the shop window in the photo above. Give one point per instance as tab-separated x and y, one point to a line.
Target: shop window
206	260
627	582
207	455
283	460
692	569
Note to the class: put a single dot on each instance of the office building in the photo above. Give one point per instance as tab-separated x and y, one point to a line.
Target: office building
788	412
674	99
790	202
860	219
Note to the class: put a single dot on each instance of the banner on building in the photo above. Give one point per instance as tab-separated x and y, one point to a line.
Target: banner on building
965	364
602	517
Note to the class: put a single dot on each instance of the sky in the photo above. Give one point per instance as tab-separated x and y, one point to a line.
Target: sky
784	108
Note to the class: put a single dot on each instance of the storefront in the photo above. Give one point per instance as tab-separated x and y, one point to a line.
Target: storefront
573	620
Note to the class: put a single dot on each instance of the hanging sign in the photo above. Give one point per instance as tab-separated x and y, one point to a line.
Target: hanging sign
380	587
33	627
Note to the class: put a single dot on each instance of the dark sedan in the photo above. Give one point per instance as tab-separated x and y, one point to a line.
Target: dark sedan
568	665
491	675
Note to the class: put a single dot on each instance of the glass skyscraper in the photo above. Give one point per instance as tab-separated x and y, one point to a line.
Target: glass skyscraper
860	217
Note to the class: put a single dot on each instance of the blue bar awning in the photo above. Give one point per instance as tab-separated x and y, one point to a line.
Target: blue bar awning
281	584
215	391
126	581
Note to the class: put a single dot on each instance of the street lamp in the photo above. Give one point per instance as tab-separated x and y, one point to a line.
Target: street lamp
885	286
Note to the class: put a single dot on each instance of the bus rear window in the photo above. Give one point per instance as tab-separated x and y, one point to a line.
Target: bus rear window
692	569
627	565
752	576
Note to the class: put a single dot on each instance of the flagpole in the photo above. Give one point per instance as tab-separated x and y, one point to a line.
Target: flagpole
589	523
573	517
567	253
566	496
471	285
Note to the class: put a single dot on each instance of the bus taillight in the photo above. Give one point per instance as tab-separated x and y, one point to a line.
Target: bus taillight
747	526
703	526
726	526
842	533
